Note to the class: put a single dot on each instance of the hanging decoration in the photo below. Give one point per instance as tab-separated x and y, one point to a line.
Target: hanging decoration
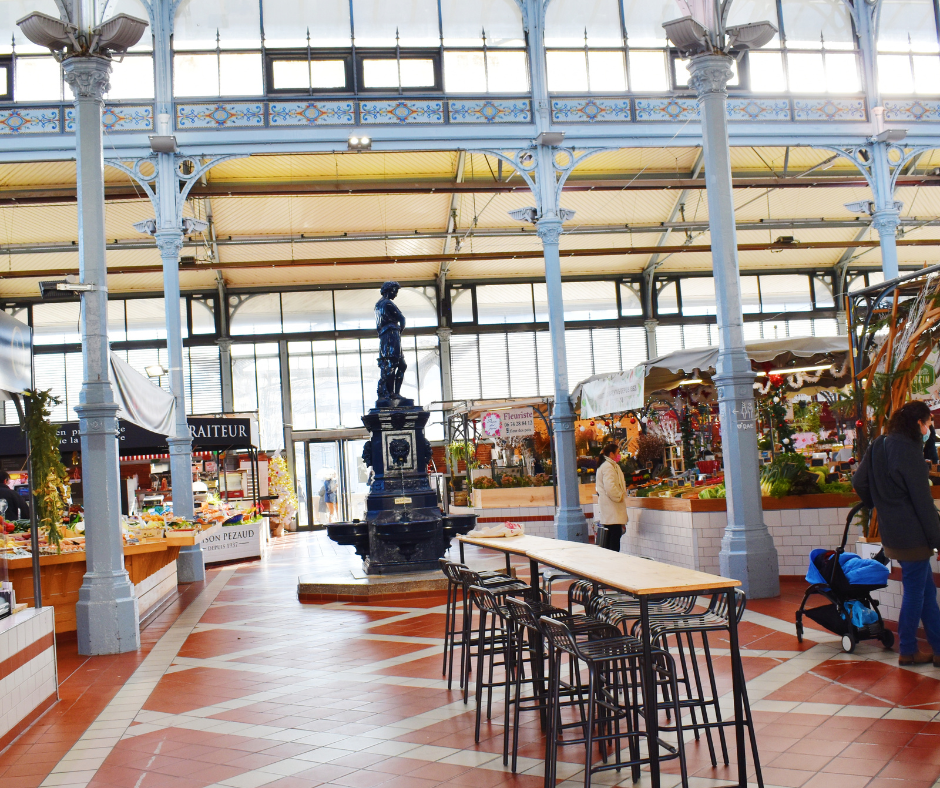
48	476
281	485
774	404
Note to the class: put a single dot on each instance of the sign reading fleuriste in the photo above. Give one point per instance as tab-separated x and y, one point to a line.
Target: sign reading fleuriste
614	393
518	423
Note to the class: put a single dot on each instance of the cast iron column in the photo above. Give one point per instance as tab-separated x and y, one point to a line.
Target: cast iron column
447	378
569	516
190	567
651	348
106	612
747	549
886	216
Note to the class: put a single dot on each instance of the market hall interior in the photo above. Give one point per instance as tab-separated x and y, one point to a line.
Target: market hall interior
661	273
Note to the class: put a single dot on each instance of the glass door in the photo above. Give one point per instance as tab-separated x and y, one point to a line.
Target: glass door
326	481
356	479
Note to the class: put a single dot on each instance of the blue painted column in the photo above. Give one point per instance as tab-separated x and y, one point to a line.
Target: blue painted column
190	565
747	549
106	612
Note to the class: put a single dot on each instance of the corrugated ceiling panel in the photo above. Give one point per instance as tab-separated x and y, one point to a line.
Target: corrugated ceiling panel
33	223
332	214
753	204
330	166
634	160
301	275
321	250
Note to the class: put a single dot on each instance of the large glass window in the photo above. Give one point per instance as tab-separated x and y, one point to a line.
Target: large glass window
309	311
785	293
256	385
698	296
57	324
505	303
908	61
256	314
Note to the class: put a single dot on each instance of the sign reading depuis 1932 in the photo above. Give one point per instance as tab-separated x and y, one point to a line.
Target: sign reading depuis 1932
235	542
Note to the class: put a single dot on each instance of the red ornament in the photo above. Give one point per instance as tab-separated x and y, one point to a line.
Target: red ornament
859	424
592	423
777	380
633	421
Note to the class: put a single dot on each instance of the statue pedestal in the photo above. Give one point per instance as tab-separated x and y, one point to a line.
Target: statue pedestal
405	523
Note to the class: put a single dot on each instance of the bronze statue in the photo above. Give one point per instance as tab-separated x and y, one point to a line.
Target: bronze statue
390	322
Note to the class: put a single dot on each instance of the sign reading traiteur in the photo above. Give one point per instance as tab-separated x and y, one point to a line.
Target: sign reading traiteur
519	423
614	393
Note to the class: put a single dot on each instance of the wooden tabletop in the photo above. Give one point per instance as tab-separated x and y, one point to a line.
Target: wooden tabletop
519	545
629	573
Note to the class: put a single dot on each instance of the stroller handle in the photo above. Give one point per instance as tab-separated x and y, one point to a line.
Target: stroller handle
848	523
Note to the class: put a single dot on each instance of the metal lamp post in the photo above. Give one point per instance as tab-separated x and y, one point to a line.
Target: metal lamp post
747	549
106	612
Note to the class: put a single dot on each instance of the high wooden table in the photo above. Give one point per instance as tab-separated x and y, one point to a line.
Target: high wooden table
515	545
647	581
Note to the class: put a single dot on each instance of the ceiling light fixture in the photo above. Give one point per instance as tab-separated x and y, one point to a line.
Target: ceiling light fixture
691	382
357	143
156	371
817	368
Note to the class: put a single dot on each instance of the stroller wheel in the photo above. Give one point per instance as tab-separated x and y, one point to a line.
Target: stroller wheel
848	642
887	638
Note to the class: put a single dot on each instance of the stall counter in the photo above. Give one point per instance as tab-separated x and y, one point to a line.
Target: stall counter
151	567
688	532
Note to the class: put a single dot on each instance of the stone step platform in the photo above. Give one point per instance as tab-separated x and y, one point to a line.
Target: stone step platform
354	585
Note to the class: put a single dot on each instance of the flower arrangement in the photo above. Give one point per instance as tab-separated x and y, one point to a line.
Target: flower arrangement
281	485
48	476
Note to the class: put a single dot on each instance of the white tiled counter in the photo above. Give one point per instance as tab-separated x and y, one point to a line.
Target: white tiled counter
28	684
538	520
688	533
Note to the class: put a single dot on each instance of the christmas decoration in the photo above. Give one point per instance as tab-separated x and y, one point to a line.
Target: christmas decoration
281	485
774	406
48	476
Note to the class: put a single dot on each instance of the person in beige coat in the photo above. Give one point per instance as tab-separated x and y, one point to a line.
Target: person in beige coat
611	499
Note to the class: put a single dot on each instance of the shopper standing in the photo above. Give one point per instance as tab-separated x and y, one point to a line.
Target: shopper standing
892	479
611	498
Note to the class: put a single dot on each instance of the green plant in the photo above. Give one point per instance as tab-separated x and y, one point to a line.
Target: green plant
48	476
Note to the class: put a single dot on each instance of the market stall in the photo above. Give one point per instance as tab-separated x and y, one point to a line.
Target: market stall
500	462
664	416
894	330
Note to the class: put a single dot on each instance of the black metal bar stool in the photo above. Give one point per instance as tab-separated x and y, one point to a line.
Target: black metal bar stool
615	698
714	619
525	615
454	591
501	588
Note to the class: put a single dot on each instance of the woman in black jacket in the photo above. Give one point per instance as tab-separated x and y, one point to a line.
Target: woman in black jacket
892	479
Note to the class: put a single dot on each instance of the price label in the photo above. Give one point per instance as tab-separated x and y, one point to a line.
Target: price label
402	501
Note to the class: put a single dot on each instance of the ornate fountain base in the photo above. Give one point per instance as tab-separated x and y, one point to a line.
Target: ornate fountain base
405	530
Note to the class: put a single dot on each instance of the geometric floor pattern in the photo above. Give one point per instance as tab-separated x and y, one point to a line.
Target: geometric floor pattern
238	685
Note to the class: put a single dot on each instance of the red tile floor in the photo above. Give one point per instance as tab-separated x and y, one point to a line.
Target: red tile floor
237	685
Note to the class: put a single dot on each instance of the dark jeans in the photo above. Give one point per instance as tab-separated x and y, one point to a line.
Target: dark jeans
919	603
608	536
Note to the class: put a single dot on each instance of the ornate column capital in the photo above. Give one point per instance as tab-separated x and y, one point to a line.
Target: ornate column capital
444	333
709	74
886	220
88	77
169	242
549	230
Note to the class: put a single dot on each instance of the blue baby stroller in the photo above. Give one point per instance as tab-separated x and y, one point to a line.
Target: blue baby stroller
847	582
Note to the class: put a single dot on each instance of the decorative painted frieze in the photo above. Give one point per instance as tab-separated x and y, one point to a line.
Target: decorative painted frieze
30	121
668	109
311	113
219	115
591	110
487	111
404	111
829	109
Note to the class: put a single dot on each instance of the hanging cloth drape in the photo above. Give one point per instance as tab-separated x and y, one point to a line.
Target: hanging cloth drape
140	401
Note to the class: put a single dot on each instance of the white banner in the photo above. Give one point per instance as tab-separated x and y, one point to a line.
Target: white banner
140	400
614	393
519	423
235	541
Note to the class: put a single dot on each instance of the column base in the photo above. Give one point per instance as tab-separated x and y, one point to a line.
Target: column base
570	524
190	564
751	558
107	616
